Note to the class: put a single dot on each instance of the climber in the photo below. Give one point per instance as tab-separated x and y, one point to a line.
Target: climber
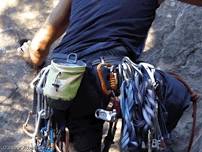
93	28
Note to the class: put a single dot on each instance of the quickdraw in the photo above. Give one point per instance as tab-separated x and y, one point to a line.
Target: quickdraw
139	107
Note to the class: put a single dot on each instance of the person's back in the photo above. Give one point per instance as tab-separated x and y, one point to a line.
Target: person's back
101	28
97	25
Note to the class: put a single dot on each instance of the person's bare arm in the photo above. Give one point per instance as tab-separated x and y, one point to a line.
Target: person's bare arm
53	28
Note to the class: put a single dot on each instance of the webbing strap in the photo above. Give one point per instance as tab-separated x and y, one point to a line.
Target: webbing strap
110	136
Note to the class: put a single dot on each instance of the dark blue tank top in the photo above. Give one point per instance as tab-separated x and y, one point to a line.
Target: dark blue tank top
97	25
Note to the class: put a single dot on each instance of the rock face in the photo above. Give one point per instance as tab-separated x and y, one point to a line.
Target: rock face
175	44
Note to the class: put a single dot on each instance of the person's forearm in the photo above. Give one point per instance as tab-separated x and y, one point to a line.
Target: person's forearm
54	27
58	20
55	24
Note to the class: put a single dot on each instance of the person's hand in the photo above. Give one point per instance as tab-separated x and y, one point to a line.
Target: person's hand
30	52
23	51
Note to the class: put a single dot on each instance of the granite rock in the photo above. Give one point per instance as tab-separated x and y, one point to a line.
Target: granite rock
174	43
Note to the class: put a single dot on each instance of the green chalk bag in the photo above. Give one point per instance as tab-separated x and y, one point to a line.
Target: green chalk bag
64	78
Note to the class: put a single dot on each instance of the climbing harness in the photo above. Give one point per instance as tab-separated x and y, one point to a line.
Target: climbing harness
133	96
